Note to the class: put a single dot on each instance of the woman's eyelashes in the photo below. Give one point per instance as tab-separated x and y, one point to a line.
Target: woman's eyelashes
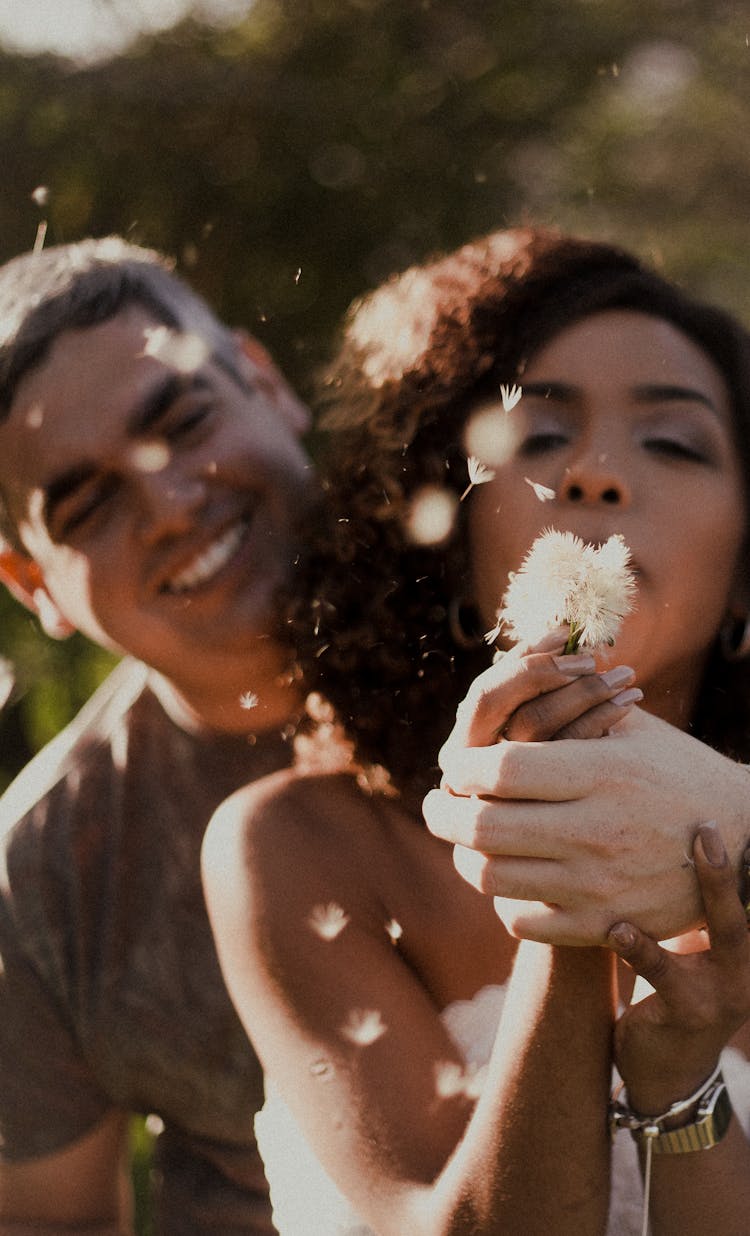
540	441
677	448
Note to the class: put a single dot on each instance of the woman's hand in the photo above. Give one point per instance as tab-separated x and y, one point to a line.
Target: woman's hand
532	694
667	1044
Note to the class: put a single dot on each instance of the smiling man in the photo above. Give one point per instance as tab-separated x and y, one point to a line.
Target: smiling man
151	477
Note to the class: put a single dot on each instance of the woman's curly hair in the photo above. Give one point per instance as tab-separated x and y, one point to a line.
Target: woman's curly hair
370	609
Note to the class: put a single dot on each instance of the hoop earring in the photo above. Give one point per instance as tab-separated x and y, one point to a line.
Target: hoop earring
463	623
734	639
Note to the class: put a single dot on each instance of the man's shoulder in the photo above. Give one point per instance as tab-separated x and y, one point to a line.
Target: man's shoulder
89	739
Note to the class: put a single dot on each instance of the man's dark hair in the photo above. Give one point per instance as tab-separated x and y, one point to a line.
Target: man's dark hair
74	286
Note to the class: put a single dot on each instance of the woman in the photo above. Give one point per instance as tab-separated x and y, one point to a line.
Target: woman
369	983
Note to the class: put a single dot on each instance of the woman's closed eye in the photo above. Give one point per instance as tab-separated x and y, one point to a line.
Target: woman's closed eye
539	441
677	448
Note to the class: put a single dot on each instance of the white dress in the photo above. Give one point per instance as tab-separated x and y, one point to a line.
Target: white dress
306	1202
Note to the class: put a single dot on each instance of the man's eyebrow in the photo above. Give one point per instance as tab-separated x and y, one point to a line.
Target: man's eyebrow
160	398
144	417
61	486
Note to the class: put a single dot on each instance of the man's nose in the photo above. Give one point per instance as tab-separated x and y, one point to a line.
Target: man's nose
169	503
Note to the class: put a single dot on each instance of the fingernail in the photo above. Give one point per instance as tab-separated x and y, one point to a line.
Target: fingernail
622	936
575	663
633	695
713	846
618	676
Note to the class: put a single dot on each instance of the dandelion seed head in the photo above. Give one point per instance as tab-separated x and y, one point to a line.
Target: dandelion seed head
328	921
40	195
363	1027
394	930
431	515
154	1124
564	581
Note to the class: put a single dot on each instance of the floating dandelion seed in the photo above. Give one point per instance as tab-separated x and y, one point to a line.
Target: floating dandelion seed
479	474
40	196
328	921
394	930
431	515
150	456
7	681
35	416
543	492
323	1069
364	1027
491	435
452	1079
564	581
181	350
249	700
510	396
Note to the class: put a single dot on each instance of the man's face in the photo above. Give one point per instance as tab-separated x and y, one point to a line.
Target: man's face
158	504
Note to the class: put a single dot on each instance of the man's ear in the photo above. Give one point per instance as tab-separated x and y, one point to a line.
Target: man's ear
24	580
257	366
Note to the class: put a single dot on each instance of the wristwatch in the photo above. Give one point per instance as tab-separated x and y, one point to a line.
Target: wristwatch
710	1124
711	1121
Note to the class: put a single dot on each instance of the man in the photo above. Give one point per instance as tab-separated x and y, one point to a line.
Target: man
151	475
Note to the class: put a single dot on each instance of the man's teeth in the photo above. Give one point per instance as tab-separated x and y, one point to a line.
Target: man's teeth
210	562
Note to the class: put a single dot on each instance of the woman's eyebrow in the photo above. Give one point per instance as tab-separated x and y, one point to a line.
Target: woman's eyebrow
561	392
658	392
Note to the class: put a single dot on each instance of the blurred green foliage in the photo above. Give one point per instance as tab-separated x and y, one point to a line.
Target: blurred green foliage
299	158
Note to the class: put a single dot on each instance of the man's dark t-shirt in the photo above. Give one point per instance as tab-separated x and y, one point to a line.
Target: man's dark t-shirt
110	989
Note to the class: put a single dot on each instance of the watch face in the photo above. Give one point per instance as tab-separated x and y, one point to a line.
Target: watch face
707	1130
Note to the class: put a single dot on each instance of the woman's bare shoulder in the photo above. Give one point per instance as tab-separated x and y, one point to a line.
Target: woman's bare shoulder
322	825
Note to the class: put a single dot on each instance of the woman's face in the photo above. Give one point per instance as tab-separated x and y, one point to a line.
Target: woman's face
629	423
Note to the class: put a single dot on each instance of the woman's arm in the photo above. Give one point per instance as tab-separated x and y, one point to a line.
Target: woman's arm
669	1043
348	1027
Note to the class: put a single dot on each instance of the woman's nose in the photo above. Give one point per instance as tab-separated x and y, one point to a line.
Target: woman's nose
591	481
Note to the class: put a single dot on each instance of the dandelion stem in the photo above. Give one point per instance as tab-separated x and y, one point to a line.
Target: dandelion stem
574	636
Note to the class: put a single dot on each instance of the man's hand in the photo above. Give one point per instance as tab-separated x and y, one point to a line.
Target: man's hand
575	836
669	1042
